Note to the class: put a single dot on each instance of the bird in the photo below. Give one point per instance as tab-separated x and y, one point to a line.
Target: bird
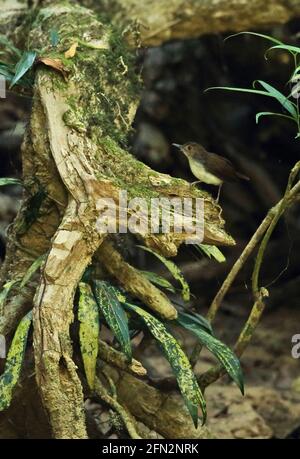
209	167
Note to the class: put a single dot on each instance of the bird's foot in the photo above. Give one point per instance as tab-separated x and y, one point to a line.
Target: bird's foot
219	191
194	183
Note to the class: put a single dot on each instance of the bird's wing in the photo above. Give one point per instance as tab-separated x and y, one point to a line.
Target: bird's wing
221	167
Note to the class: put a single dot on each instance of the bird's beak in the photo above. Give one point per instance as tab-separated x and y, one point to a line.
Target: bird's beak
177	145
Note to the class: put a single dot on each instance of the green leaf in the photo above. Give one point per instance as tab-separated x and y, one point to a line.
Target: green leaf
270	92
158	280
9	181
281	98
6	72
197	320
9	45
88	316
179	362
54	37
32	269
212	252
223	353
295	74
174	270
267	37
24	64
228	88
5	291
260	114
14	360
291	49
108	299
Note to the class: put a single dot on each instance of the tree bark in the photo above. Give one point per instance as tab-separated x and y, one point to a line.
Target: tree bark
161	21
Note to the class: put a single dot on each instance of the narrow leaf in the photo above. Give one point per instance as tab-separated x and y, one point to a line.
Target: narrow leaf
108	300
295	76
281	98
9	46
88	316
267	37
224	354
24	64
260	114
197	320
32	269
174	270
9	181
212	252
179	362
250	91
5	291
6	72
159	280
291	49
14	360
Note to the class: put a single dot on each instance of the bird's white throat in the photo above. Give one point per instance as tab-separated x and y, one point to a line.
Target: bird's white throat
199	171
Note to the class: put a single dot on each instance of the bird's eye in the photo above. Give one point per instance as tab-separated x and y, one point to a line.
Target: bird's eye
189	148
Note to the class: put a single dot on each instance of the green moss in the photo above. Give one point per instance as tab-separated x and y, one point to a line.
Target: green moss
104	80
108	86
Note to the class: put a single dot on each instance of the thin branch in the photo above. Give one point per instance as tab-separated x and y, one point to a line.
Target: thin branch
112	401
119	360
288	198
273	213
259	293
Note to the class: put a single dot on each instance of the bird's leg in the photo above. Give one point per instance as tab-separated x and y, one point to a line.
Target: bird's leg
194	183
219	191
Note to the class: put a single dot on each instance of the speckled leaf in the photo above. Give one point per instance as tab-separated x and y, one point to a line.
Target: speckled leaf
174	270
212	252
24	64
159	280
14	360
32	269
224	354
5	291
88	316
9	181
179	362
108	299
195	320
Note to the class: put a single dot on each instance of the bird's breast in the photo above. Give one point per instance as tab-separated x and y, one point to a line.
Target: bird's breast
202	174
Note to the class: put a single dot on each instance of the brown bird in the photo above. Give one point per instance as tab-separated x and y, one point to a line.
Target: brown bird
209	167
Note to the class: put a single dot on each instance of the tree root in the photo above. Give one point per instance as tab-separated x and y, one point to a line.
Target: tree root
134	282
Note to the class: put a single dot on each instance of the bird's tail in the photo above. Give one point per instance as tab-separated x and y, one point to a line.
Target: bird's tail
242	176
